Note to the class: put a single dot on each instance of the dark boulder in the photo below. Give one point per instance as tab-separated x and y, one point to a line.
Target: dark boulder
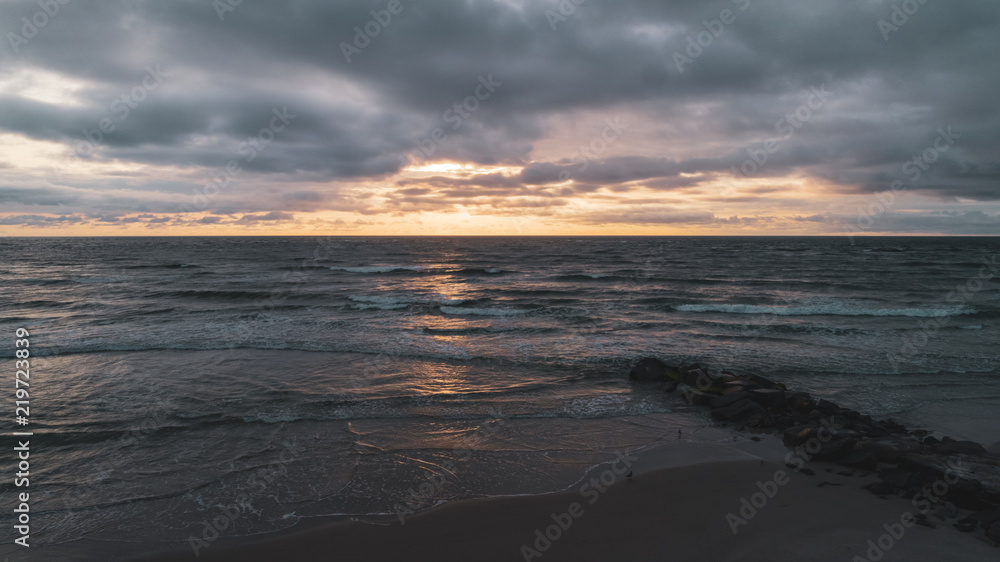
881	488
800	401
993	532
827	408
770	398
890	448
892	426
834	449
950	446
761	382
798	434
740	411
966	525
968	494
648	369
900	478
859	458
730	398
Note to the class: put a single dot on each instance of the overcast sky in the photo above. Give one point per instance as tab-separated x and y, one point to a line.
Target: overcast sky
500	117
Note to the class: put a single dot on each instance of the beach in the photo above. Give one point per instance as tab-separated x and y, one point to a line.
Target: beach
676	513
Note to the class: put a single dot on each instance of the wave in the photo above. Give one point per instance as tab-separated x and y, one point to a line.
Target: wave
161	266
376	306
481	271
481	330
833	309
393	300
483	311
586	277
214	294
380	269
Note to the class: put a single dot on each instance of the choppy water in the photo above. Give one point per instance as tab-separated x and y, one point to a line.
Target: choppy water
172	376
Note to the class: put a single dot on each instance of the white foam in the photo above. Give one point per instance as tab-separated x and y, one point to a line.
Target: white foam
379	299
402	300
380	306
829	309
376	268
482	311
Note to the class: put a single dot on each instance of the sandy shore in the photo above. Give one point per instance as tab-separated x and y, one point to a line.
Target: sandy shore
677	513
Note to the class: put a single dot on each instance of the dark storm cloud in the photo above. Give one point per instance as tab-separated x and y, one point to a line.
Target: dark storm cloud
219	83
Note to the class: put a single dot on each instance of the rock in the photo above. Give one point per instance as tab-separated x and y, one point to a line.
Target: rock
967	494
900	478
966	525
993	532
834	449
695	396
800	401
943	514
770	398
892	426
850	414
669	386
987	517
761	382
648	369
740	384
842	422
740	411
949	446
890	448
925	523
933	468
798	434
807	472
731	398
781	421
881	488
827	408
859	458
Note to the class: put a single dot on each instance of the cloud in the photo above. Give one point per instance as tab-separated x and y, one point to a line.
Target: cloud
273	216
182	95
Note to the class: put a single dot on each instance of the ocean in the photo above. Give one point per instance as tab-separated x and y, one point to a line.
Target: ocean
266	380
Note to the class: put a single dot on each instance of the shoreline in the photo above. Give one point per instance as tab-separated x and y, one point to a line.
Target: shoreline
677	513
864	494
677	504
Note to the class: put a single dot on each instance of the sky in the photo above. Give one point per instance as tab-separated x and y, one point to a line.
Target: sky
499	117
